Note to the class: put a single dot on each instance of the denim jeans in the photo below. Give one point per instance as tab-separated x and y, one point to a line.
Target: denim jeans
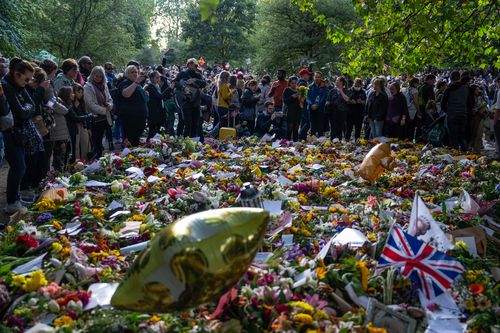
118	129
14	154
376	128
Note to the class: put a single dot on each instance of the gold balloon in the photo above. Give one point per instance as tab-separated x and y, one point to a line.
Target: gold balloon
375	162
193	261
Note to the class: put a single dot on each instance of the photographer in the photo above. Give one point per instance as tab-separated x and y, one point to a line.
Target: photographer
190	81
133	105
270	118
98	101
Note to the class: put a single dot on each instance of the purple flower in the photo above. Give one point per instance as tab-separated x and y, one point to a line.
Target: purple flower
294	252
15	321
44	218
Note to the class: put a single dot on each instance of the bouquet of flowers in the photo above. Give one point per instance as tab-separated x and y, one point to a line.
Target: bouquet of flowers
302	91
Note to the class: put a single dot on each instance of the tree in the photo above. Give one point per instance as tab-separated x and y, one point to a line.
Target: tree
226	37
170	15
406	35
289	38
106	30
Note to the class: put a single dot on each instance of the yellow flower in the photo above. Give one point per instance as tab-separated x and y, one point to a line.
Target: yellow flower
320	315
57	225
306	232
98	212
372	329
321	272
63	321
372	237
303	318
56	247
294	205
303	306
45	204
154	319
35	281
364	272
18	281
462	245
470	305
138	217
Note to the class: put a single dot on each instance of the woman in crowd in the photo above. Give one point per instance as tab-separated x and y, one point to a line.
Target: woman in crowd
293	105
479	109
397	113
69	69
376	108
337	108
357	100
224	97
249	105
233	85
156	111
59	135
22	138
265	86
133	105
36	88
98	102
413	103
83	122
440	88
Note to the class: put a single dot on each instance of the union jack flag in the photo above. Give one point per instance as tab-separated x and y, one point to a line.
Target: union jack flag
432	271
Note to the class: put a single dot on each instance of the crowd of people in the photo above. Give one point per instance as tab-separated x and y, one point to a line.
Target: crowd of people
52	115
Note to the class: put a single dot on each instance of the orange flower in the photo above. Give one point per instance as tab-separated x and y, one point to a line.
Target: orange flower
476	288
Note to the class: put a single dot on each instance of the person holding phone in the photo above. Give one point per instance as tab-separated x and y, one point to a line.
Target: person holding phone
133	105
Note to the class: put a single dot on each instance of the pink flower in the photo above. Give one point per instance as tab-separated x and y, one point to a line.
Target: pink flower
53	290
372	201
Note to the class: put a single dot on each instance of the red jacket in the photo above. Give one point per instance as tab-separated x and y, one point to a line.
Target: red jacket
277	89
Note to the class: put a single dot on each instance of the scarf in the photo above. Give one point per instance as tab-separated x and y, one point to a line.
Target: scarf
100	93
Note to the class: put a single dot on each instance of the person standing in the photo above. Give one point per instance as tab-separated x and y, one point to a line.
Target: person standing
293	103
413	102
23	138
337	108
98	101
316	99
265	86
156	112
455	104
191	82
277	89
85	66
479	109
133	105
69	69
376	108
249	105
224	97
397	114
357	100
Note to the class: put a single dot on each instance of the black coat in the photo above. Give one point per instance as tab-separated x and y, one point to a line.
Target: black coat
22	106
249	105
377	105
157	112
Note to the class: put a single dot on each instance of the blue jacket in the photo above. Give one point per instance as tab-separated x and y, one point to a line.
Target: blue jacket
317	95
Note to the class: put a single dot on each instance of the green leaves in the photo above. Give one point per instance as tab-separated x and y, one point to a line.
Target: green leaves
208	9
409	35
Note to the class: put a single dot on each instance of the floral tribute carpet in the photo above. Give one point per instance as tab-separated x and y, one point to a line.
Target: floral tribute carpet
415	251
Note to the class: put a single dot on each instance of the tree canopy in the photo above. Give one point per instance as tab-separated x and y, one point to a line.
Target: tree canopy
224	37
289	38
106	30
407	35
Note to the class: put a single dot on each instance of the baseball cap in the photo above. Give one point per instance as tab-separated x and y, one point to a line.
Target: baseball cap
304	71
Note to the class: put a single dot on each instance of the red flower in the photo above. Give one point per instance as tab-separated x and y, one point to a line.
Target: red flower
27	241
476	288
78	208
